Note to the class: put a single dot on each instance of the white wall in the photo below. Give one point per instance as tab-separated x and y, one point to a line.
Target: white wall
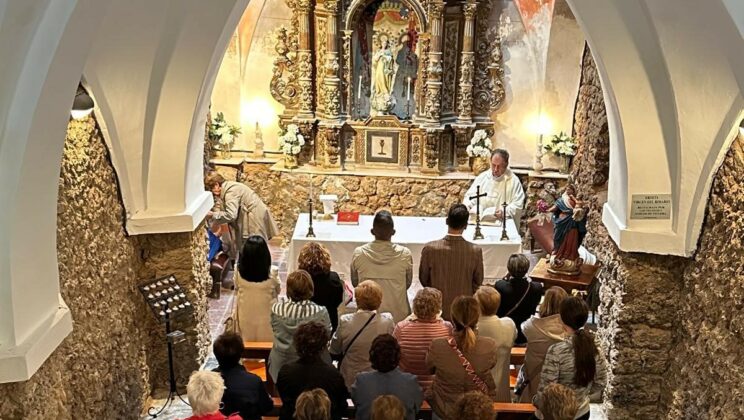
673	73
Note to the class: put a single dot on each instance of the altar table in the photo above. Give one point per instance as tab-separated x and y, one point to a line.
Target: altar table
412	232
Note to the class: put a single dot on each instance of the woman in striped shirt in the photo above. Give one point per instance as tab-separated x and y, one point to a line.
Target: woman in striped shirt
287	316
415	333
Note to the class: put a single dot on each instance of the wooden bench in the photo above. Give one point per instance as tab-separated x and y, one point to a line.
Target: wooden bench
508	411
261	350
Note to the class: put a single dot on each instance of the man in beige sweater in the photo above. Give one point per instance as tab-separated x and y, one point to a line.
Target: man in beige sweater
387	264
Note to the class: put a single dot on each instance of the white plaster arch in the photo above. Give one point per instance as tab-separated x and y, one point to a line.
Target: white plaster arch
151	67
151	74
43	45
673	79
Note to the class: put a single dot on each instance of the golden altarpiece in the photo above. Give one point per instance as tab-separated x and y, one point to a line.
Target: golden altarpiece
393	84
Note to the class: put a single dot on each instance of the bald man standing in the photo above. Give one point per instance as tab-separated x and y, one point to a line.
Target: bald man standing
387	264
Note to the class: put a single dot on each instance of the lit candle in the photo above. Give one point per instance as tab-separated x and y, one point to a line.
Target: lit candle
408	92
359	89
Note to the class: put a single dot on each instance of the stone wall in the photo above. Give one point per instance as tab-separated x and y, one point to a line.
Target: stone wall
184	255
108	365
286	193
706	374
671	327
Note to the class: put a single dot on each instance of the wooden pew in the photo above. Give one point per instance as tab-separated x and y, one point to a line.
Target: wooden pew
261	350
508	411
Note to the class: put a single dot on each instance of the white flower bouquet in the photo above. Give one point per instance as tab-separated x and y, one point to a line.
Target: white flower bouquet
292	141
561	145
222	132
480	145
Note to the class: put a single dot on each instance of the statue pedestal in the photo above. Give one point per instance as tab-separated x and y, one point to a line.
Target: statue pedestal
578	282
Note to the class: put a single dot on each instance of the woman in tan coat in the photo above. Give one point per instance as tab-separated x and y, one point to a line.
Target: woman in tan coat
257	284
541	332
460	363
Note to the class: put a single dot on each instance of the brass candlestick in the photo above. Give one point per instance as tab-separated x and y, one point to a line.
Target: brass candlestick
504	236
310	232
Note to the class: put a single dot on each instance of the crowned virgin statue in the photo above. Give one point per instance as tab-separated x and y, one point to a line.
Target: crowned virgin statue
382	79
569	229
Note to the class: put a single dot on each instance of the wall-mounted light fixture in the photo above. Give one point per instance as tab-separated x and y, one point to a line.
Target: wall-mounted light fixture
82	106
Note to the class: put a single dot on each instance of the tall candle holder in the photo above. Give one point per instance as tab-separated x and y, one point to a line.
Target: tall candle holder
310	231
477	196
504	236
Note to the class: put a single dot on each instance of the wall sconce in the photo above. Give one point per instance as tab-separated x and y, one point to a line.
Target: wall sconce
82	106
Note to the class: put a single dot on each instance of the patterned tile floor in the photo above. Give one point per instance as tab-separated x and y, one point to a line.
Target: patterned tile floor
219	311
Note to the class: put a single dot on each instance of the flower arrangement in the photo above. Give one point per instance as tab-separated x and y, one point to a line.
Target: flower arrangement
222	132
480	145
542	206
292	141
561	145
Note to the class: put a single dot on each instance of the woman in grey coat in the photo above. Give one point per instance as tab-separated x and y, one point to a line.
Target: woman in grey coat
575	362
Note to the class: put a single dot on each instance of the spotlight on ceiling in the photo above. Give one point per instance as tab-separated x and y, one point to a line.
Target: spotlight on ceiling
82	106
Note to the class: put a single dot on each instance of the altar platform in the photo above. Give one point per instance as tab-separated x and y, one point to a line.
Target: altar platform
412	232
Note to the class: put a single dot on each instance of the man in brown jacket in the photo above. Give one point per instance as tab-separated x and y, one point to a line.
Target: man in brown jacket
452	264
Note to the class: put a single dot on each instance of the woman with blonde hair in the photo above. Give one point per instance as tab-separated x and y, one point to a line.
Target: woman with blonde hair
328	289
503	332
313	405
356	331
204	392
461	363
541	333
415	333
388	407
287	316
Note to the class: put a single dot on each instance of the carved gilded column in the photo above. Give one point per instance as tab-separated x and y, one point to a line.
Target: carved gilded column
332	82
331	147
433	106
305	61
467	61
431	151
462	140
348	83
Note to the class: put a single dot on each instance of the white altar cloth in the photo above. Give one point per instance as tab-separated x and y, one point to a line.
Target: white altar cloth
412	232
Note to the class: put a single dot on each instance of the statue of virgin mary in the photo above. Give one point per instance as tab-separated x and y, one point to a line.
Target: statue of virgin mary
382	79
569	229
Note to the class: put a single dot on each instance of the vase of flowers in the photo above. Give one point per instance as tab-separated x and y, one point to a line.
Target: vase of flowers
290	143
563	146
480	150
223	134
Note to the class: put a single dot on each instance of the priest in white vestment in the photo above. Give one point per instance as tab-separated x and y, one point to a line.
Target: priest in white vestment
387	264
501	185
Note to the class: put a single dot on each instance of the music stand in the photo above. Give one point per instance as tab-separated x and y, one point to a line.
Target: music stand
167	300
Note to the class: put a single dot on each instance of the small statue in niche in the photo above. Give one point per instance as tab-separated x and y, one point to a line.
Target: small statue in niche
569	229
382	79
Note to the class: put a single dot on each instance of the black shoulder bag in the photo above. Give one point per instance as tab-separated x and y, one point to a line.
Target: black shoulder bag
340	357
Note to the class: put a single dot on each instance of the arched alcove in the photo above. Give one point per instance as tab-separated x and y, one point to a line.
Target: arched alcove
671	110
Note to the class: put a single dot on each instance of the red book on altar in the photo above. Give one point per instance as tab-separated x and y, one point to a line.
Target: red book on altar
347	218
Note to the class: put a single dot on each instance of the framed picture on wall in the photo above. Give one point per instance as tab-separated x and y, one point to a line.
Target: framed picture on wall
382	147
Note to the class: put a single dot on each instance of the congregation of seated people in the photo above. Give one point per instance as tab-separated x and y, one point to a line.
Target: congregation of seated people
450	351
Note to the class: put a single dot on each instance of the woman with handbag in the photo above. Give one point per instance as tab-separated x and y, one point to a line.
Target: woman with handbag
351	341
257	283
519	295
460	363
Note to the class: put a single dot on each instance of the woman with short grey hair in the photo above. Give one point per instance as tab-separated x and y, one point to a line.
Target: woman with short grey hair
205	391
